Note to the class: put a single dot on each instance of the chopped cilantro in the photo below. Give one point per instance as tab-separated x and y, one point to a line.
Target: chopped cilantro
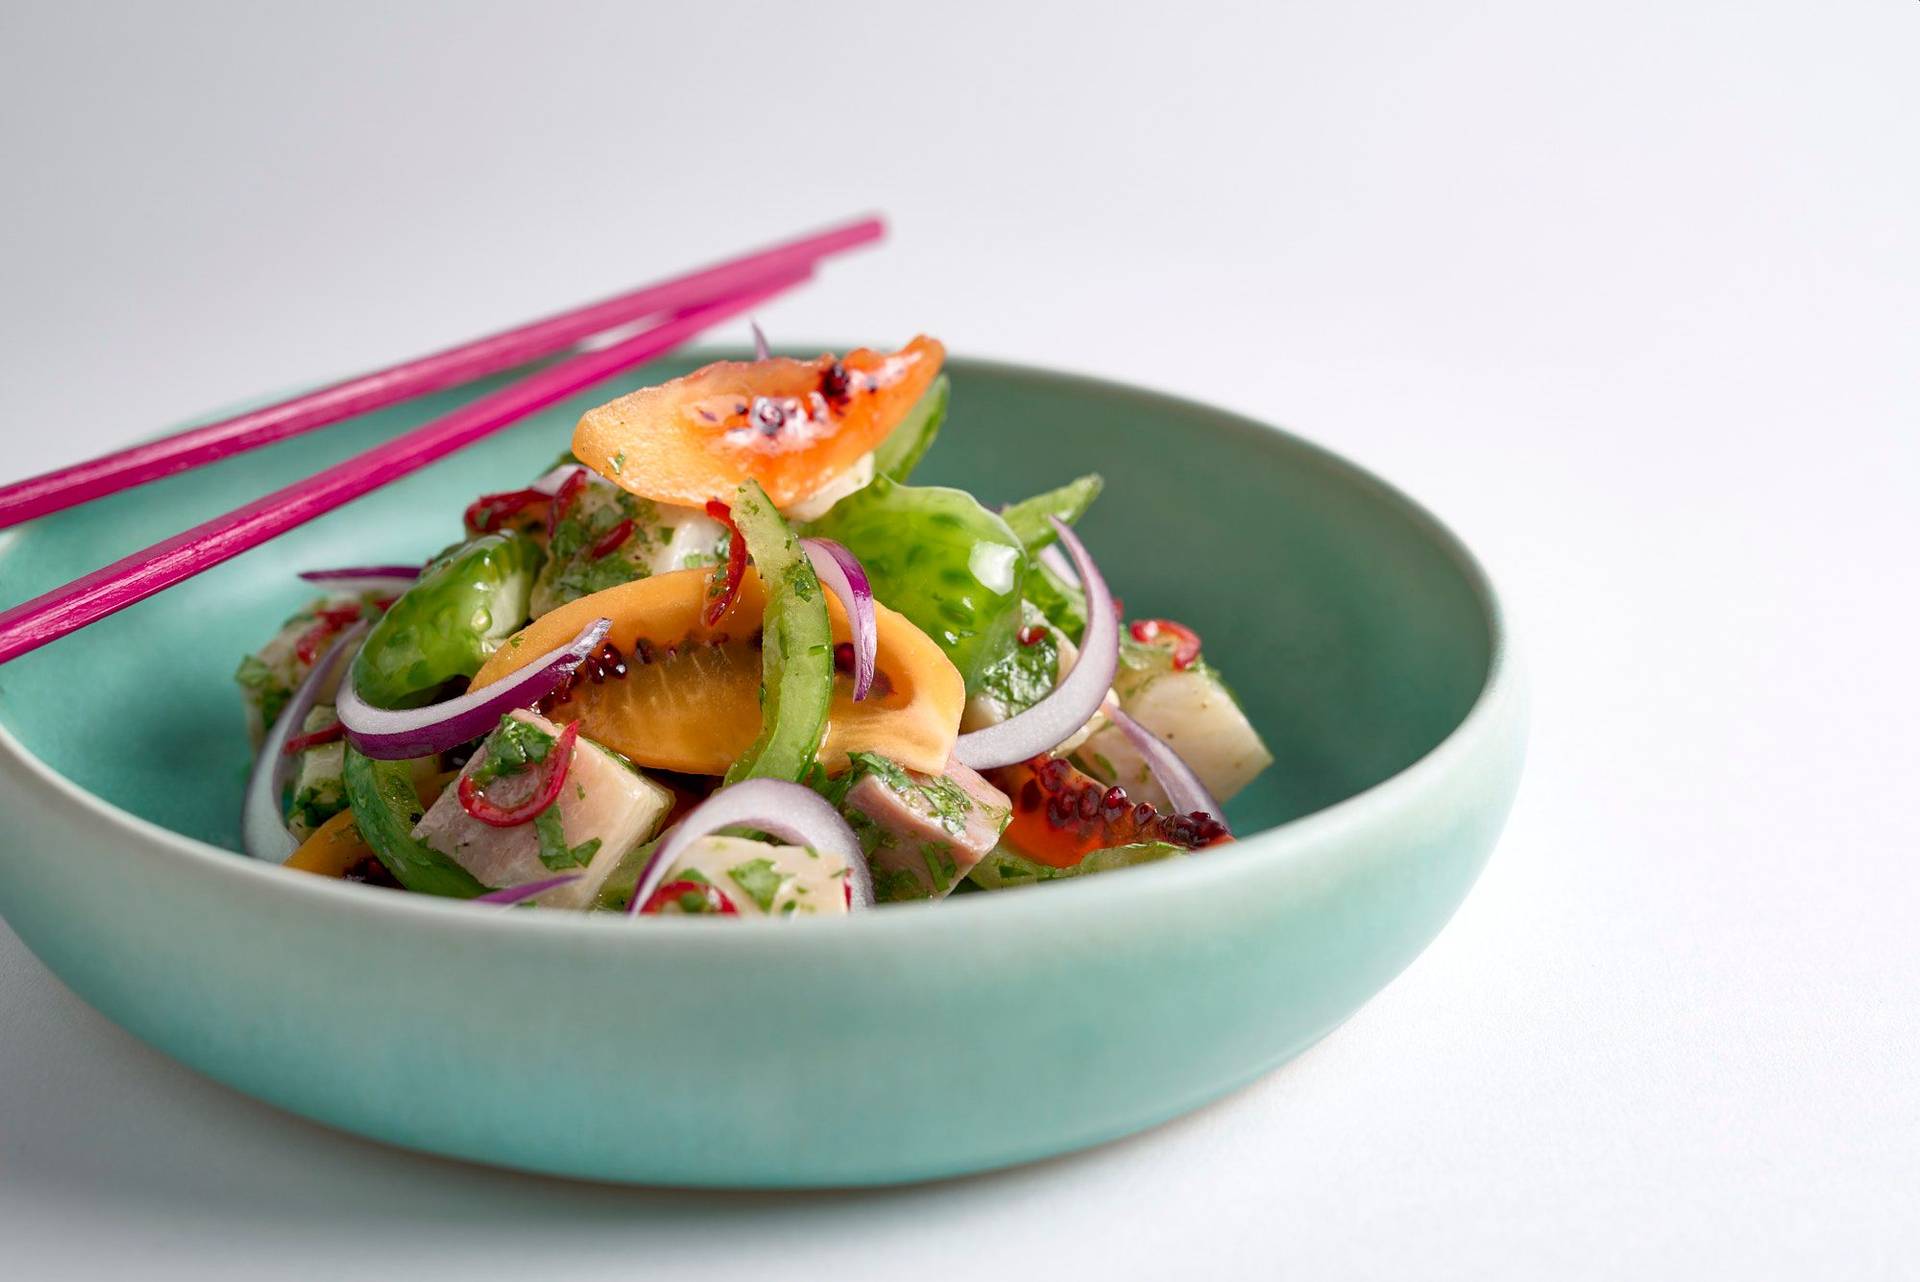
510	748
555	853
760	879
949	802
938	796
584	578
1061	602
892	885
802	581
1026	674
266	687
314	806
572	570
619	461
940	866
889	771
872	836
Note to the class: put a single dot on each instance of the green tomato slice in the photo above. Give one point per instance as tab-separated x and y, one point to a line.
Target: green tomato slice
467	601
1028	518
912	437
934	554
796	653
385	810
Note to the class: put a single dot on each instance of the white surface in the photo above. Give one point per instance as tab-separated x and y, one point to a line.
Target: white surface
1630	293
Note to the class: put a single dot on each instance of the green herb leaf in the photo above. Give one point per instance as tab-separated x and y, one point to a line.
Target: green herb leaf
948	802
940	866
1069	502
1061	602
511	748
760	879
908	443
554	851
889	771
1027	673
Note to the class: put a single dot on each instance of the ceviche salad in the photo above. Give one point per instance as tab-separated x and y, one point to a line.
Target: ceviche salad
724	659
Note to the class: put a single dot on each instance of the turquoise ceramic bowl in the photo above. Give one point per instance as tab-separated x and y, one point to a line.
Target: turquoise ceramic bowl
914	1042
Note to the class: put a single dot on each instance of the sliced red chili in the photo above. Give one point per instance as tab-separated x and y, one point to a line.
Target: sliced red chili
551	777
1186	642
329	622
325	734
564	496
609	543
307	648
728	587
490	511
710	894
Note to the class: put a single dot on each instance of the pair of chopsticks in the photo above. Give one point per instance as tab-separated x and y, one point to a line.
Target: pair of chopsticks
692	302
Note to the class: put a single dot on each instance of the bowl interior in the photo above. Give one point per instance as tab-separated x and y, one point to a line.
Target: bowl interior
1353	635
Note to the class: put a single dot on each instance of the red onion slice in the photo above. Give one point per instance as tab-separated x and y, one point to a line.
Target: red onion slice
550	483
846	578
263	824
396	734
1049	722
392	579
1185	793
760	350
1054	559
786	810
525	890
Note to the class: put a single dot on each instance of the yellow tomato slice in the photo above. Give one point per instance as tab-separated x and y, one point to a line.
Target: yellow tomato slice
690	699
794	426
334	849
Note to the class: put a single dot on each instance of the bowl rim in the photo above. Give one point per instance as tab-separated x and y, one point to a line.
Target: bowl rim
1484	719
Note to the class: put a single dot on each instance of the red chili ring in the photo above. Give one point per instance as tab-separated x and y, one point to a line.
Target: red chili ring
1186	642
326	734
564	496
329	622
546	790
609	543
485	513
736	563
720	904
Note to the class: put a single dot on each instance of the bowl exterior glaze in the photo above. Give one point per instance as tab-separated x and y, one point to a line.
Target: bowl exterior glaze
916	1042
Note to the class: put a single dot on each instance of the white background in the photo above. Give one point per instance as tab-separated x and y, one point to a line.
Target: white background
1629	292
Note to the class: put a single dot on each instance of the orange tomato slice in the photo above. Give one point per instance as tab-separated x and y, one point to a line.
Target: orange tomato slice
334	849
1060	816
690	698
794	426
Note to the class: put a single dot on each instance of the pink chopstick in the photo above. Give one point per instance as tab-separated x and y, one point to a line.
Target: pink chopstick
134	578
95	478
